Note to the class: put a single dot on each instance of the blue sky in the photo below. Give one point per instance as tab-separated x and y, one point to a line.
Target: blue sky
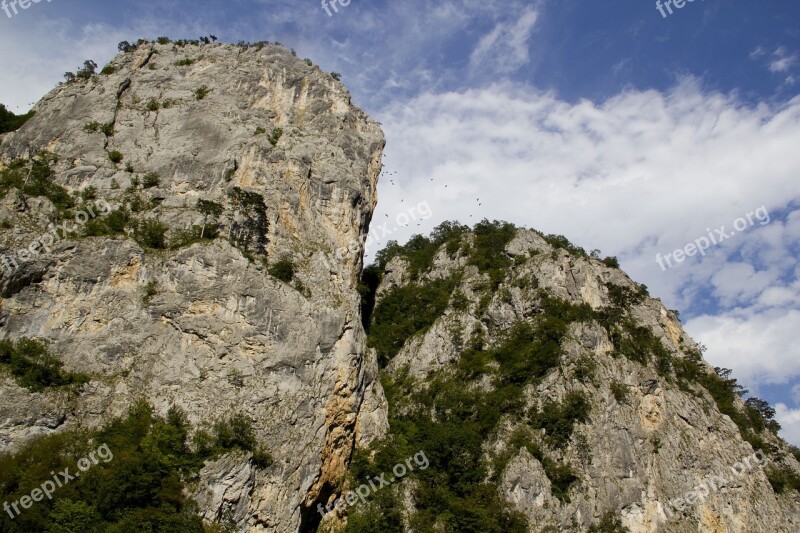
629	132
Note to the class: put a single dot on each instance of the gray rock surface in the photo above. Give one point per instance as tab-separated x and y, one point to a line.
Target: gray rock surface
220	335
632	455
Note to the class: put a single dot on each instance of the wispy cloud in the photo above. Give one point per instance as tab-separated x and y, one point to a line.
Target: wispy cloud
789	419
781	60
505	49
641	173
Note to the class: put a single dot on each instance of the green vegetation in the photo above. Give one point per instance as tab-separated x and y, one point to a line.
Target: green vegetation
208	209
185	62
639	344
234	433
108	70
151	234
405	312
726	391
152	105
195	234
34	367
450	423
11	122
558	419
35	178
559	241
275	136
610	523
250	225
89	193
86	72
585	369
150	180
451	419
141	487
420	251
782	479
561	475
488	251
114	223
620	392
260	131
623	297
150	290
283	270
106	129
611	262
201	92
115	156
526	353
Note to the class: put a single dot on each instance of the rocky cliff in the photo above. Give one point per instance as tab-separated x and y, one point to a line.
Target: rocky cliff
247	142
552	393
184	231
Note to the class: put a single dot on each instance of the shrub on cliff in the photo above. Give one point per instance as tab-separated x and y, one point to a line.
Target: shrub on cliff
11	122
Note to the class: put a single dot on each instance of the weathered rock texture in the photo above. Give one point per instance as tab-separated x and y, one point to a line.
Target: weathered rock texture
217	334
652	447
220	335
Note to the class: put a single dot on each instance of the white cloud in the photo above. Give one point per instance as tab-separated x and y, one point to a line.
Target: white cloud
55	45
789	419
505	48
760	347
796	394
781	60
642	173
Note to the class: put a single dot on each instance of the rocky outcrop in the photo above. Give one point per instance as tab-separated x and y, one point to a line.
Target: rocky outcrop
204	326
650	438
266	153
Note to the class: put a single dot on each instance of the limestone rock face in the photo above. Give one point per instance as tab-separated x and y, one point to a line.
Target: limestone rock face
210	326
641	448
203	326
